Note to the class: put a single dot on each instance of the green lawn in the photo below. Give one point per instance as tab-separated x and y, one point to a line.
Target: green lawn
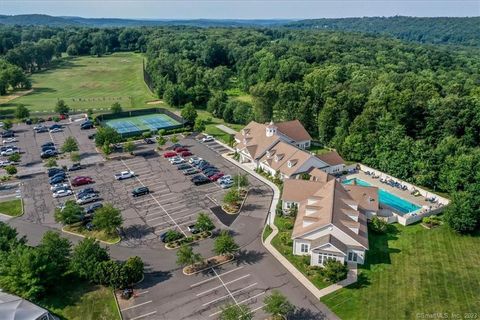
82	301
283	243
12	207
413	270
89	82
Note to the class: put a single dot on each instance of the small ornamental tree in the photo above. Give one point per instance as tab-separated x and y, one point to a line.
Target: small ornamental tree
231	197
277	305
71	213
204	223
51	162
108	218
199	125
106	135
61	107
378	225
240	180
174	139
106	149
225	244
22	112
75	157
70	145
236	312
14	157
161	141
129	146
172	235
116	108
134	269
7	124
334	271
11	170
186	256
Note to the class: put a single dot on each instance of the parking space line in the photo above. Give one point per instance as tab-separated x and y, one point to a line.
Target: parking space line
144	315
137	305
140	293
179	224
214	288
255	296
229	294
159	204
210	279
177	207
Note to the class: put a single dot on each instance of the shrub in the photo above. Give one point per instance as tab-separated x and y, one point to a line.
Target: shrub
147	134
11	170
334	271
14	157
378	225
172	235
51	162
431	221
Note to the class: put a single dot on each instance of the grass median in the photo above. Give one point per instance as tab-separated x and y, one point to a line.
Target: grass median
97	234
11	207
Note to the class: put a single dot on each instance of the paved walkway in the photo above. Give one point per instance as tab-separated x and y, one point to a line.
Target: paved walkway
226	129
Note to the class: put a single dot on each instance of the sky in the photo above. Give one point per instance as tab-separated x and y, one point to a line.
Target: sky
241	9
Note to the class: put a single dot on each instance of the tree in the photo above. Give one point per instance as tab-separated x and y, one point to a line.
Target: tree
106	148
199	125
106	135
75	157
11	170
463	212
61	107
189	113
225	244
129	146
277	305
231	197
116	108
240	180
86	256
15	157
21	112
172	235
55	250
111	273
70	145
108	218
7	124
69	214
204	223
134	269
236	312
186	256
174	139
378	225
9	238
161	140
334	271
51	162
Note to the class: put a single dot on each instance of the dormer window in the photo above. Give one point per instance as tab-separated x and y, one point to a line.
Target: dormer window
278	157
291	163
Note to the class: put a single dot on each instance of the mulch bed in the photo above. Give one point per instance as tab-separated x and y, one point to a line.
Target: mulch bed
207	264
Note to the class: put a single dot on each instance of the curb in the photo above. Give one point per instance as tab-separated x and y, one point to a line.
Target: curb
116	303
82	236
201	270
241	205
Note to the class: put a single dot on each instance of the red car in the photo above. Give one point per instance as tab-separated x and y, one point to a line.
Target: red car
80	181
216	176
169	154
185	153
180	149
63	116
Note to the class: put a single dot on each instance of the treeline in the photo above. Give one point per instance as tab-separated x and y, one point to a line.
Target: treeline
440	30
34	272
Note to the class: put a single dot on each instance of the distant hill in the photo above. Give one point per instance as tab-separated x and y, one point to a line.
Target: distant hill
464	31
40	19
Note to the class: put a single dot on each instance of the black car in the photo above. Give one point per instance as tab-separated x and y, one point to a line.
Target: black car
149	141
140	191
199	180
92	136
48	148
28	121
93	207
174	146
56	179
204	165
75	167
86	191
8	134
209	168
53	171
54	126
211	173
48	154
42	129
48	144
183	166
86	125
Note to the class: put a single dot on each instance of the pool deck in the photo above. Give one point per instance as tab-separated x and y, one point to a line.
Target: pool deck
405	194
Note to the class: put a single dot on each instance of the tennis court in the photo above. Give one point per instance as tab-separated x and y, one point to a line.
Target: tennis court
138	124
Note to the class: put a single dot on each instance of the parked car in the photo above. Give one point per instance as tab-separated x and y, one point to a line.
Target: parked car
90	197
177	161
149	141
9	152
80	181
211	173
53	171
199	180
174	146
9	140
140	191
63	116
186	153
55	130
207	139
59	186
7	134
89	226
194	160
208	168
62	193
86	125
180	149
54	126
38	126
75	167
183	166
5	163
124	175
91	136
204	165
48	153
169	154
193	229
56	180
59	174
93	207
189	171
226	184
48	144
42	129
48	148
216	176
86	191
225	178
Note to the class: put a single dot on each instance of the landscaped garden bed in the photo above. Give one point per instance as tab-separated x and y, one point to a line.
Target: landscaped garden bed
207	263
236	199
80	230
188	240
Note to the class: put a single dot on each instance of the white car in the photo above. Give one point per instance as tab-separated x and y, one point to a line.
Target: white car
124	175
9	152
9	140
225	179
39	126
55	130
62	193
226	184
177	161
176	158
194	160
59	186
207	139
5	163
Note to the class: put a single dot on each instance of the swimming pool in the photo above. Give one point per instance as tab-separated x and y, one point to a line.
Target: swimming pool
387	198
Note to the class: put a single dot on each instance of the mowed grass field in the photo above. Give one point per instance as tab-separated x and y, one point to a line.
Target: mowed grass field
412	272
89	82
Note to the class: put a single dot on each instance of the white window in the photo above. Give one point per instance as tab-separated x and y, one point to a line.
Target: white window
304	248
322	257
352	256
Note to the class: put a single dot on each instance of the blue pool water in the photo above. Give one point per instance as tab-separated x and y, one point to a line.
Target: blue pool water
387	198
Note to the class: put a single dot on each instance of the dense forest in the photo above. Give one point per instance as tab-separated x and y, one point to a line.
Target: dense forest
464	31
407	109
